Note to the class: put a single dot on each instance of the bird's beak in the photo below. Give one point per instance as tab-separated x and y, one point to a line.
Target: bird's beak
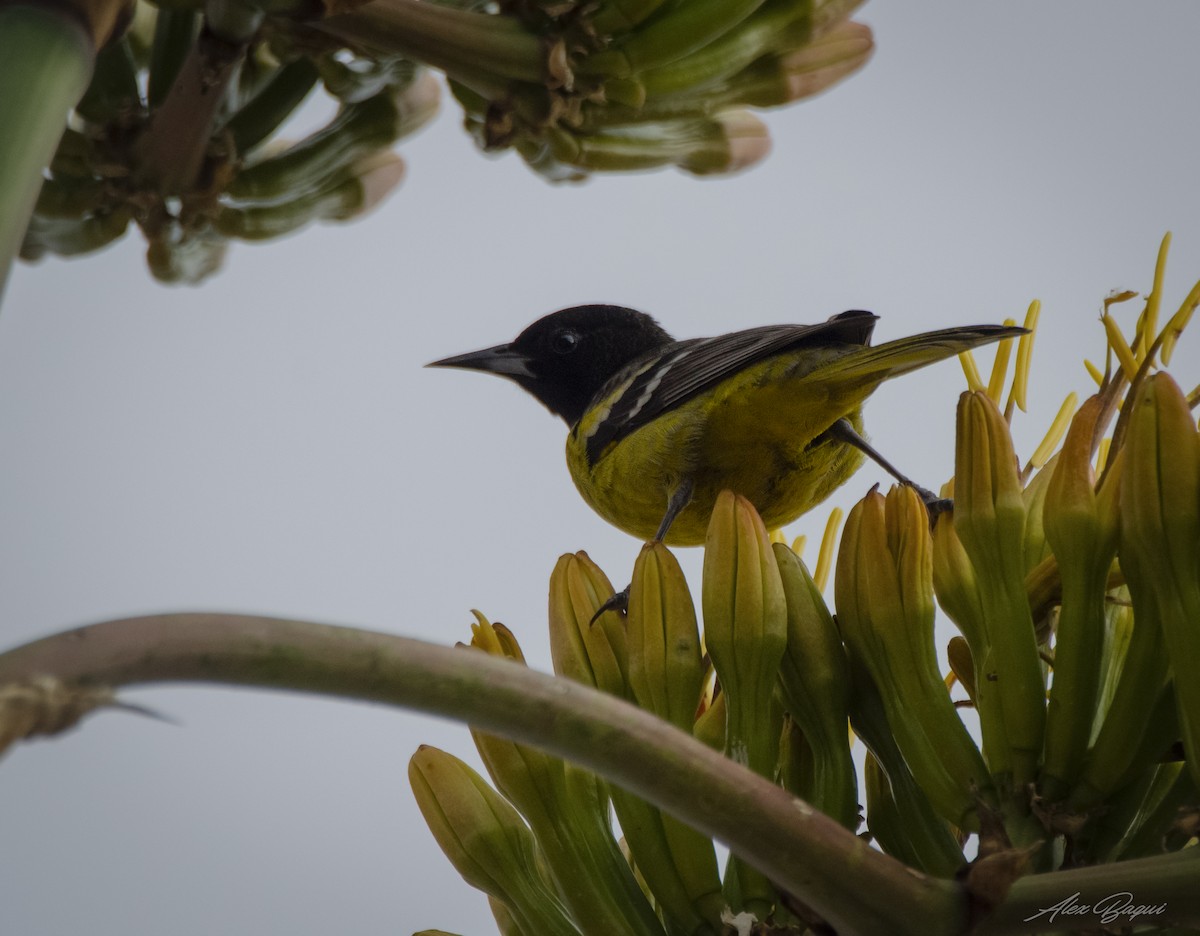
502	359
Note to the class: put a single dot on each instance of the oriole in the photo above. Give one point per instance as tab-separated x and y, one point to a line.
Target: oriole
659	427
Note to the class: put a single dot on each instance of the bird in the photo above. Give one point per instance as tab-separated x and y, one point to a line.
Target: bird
658	427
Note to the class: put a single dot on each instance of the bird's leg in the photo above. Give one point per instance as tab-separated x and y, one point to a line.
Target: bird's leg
680	498
843	431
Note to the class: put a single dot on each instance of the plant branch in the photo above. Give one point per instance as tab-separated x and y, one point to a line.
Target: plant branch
1164	886
46	60
171	152
452	40
856	888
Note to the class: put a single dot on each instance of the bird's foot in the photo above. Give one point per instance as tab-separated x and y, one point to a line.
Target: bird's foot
934	505
619	602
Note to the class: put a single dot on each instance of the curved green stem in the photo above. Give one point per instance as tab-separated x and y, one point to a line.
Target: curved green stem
1162	887
446	38
46	60
857	889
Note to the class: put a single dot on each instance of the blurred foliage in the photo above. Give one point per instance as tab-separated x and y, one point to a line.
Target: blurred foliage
177	132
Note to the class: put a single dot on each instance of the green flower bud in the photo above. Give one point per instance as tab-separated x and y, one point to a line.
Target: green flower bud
745	631
920	840
506	923
485	839
665	667
745	627
677	863
1160	535
593	654
1083	534
682	29
789	74
884	594
955	584
989	516
816	690
565	806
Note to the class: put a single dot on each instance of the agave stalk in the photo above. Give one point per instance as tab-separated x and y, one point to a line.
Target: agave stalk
48	51
854	887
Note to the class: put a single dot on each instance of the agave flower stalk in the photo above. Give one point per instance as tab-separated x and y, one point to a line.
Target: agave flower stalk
47	51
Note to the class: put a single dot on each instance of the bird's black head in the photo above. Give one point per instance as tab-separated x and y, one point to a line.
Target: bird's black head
564	358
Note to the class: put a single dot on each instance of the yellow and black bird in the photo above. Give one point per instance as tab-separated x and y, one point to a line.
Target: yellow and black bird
659	427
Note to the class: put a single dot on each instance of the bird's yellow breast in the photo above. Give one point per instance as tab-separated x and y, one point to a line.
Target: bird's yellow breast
753	433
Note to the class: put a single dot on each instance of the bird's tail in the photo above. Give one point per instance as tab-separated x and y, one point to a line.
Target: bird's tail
873	365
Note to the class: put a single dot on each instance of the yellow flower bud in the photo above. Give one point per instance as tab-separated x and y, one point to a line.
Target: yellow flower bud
884	593
589	653
495	639
566	806
1160	535
989	516
485	839
745	630
816	689
1083	537
678	863
665	671
745	627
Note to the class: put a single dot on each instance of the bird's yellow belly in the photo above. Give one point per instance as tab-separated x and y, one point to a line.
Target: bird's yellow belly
783	473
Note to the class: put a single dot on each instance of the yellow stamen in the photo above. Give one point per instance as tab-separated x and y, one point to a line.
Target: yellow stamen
1120	346
1102	455
974	381
1024	353
1054	435
798	545
1148	329
825	556
1114	297
995	388
1177	323
1094	371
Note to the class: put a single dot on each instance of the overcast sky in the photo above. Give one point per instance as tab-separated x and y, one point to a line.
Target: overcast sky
270	443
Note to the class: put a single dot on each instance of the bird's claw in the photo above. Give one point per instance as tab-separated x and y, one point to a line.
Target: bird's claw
936	506
619	602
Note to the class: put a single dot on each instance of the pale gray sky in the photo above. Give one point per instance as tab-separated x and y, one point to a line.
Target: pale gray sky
270	442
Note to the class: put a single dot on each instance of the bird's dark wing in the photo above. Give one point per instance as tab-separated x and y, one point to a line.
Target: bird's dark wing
675	374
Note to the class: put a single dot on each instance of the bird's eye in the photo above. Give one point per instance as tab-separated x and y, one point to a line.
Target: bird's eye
564	342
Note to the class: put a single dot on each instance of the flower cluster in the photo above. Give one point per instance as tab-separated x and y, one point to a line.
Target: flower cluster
141	150
1074	584
174	133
